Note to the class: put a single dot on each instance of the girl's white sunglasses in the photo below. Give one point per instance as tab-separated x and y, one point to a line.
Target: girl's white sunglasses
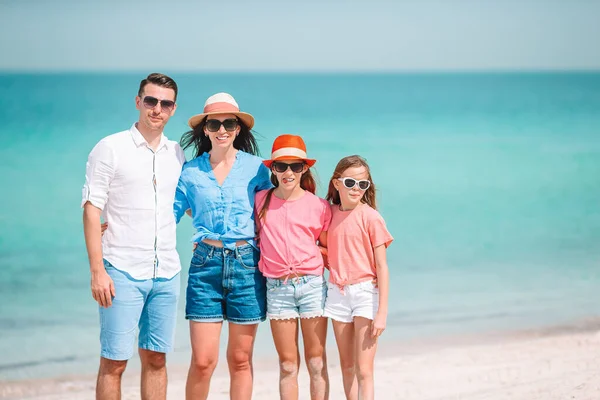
349	183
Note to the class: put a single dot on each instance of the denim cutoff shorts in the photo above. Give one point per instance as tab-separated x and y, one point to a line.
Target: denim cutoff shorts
149	305
225	284
300	297
356	300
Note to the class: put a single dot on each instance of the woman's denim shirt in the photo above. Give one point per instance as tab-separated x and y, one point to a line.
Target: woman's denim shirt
223	212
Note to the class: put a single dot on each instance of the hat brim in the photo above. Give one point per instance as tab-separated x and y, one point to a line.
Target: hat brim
246	118
309	161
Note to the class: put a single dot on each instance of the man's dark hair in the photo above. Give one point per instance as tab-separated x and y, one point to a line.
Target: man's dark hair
159	80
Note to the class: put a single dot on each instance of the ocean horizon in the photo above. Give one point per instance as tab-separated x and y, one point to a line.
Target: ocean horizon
487	181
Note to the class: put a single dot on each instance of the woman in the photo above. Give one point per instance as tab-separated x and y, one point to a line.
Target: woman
224	283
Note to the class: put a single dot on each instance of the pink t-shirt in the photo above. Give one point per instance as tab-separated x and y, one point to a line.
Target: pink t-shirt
288	238
351	240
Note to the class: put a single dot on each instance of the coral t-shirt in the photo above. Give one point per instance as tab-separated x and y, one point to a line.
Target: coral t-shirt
288	237
351	239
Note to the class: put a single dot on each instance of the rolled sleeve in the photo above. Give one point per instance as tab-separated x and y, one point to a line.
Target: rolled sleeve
378	233
99	172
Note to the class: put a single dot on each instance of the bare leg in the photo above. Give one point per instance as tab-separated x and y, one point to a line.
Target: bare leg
205	354
154	375
239	360
314	335
285	336
365	348
108	385
344	336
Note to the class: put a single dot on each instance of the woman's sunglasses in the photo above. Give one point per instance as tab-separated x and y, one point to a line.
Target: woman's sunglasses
151	102
280	167
213	125
349	183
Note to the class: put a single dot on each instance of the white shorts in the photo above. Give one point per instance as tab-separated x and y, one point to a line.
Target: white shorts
357	300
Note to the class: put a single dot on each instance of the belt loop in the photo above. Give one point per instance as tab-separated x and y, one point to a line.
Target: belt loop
211	252
236	252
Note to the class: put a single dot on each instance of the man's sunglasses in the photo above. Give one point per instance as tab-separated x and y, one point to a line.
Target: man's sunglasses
349	183
213	125
165	105
280	167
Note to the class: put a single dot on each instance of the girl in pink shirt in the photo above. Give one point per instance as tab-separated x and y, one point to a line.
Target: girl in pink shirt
290	221
357	296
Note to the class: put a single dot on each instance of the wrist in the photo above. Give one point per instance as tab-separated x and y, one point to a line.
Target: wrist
96	267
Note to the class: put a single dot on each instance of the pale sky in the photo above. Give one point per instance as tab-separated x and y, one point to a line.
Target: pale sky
310	35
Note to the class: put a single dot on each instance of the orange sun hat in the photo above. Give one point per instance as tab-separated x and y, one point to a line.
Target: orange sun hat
289	147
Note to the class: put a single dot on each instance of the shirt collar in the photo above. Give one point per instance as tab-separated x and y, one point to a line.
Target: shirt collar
139	140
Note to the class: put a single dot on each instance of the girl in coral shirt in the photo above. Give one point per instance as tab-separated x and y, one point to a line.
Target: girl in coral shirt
358	280
290	221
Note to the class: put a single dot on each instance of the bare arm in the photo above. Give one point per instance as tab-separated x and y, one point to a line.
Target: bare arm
383	282
323	248
93	235
99	172
323	239
102	285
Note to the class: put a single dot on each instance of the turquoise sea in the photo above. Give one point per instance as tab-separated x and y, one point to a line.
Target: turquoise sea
490	184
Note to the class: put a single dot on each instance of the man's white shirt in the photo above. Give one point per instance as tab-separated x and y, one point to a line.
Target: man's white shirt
134	186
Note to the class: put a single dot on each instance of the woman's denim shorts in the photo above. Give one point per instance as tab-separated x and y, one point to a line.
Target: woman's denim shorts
225	284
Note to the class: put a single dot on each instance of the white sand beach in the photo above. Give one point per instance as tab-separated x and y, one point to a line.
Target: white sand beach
554	364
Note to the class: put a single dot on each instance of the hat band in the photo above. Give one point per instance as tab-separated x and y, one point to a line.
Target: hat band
221	106
288	151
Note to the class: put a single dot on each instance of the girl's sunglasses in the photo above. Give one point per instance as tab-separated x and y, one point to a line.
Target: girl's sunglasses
349	183
280	167
151	102
213	125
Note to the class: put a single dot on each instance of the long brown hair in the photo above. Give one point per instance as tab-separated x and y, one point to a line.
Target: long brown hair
307	182
333	195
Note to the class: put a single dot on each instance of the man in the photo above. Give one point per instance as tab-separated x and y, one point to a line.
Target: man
130	181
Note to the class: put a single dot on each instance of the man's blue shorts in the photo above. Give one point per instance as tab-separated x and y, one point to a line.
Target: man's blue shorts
150	305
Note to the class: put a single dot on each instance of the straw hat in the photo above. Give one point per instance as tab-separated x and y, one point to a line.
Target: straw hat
289	147
218	104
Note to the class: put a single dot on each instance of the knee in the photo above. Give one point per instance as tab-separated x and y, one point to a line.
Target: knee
364	372
347	365
112	367
315	365
152	359
204	366
239	360
288	368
